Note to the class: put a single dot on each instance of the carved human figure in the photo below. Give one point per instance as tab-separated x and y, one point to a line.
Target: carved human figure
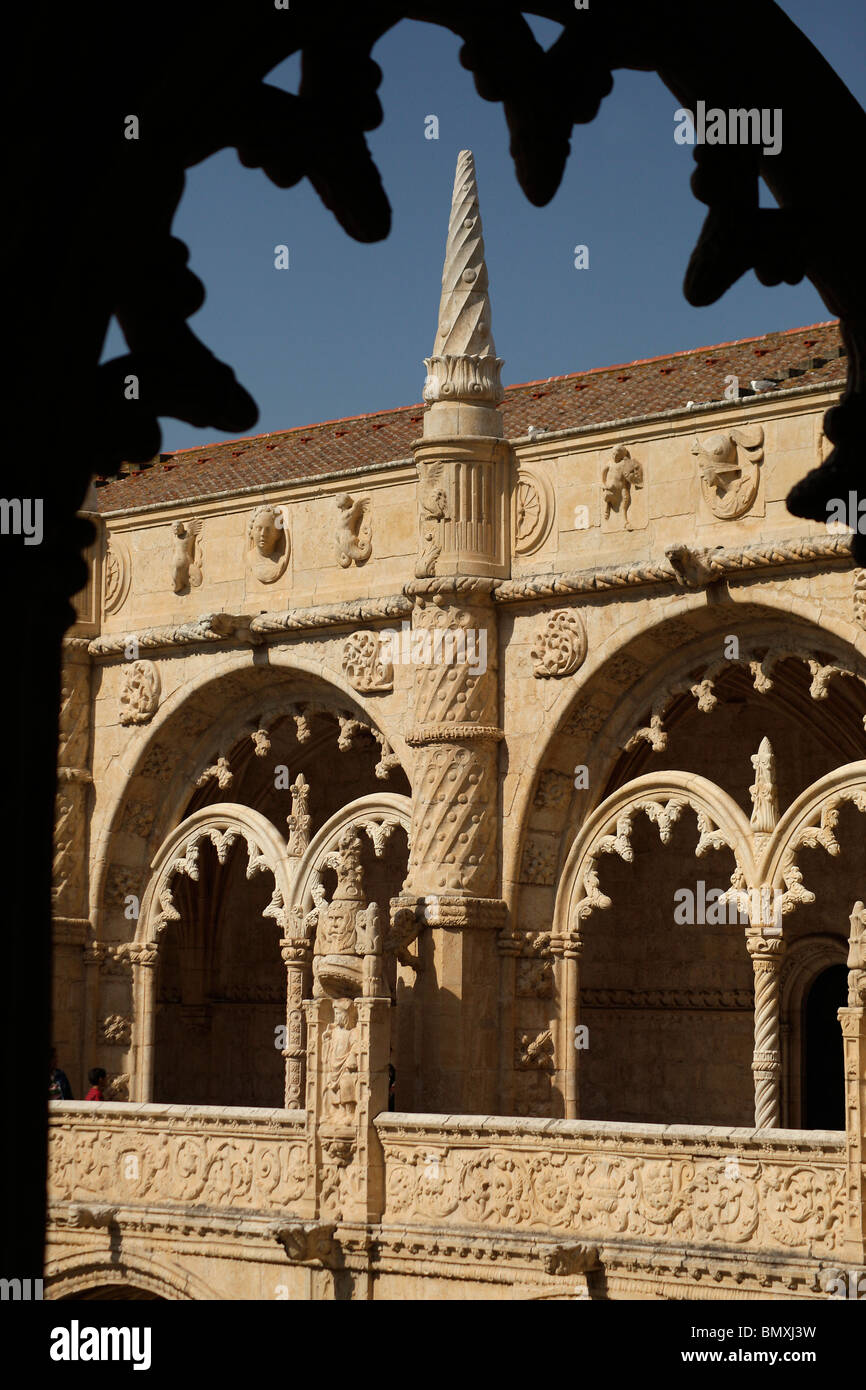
618	478
354	530
186	558
269	544
340	1066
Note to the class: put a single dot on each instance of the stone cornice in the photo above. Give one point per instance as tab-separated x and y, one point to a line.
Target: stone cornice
707	566
226	627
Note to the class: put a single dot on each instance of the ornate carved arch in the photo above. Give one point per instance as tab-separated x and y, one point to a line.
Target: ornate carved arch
663	797
377	815
808	823
221	825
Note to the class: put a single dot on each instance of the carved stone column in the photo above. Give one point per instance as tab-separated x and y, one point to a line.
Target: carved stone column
466	472
144	959
766	952
566	952
348	1046
295	952
853	1021
69	893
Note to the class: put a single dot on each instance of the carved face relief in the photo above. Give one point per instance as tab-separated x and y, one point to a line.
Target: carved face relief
139	693
269	544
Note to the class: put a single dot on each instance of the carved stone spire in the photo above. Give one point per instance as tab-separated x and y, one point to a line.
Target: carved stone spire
765	807
464	366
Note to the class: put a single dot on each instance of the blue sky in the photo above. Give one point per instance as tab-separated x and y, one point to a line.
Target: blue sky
345	329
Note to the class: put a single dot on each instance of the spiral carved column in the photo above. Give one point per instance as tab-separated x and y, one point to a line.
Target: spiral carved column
767	953
295	954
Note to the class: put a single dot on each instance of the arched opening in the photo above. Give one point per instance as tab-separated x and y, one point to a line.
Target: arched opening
665	993
823	1072
220	989
113	1293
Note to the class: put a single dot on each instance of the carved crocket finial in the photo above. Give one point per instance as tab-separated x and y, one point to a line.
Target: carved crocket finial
765	806
857	957
464	365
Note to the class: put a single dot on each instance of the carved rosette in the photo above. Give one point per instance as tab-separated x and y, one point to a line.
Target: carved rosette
117	574
139	693
534	508
560	645
365	665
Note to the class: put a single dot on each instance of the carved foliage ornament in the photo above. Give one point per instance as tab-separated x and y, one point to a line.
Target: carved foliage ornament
729	464
269	544
139	693
560	645
365	666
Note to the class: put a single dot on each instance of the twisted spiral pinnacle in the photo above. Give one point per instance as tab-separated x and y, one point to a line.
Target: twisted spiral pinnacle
464	309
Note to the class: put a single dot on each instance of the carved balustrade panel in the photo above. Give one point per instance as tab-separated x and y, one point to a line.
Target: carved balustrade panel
255	1160
632	1184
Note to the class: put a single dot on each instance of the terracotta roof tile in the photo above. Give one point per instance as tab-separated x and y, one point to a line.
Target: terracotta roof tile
797	357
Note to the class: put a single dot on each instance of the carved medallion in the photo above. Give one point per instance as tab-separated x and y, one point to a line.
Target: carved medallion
365	666
117	575
729	464
560	645
533	511
139	693
269	544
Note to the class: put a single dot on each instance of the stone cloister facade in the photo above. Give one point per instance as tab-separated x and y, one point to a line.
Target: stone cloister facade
529	763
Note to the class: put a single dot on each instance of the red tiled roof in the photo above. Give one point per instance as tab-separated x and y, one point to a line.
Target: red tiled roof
796	357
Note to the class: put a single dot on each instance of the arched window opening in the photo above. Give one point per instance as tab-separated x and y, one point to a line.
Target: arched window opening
823	1073
220	990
